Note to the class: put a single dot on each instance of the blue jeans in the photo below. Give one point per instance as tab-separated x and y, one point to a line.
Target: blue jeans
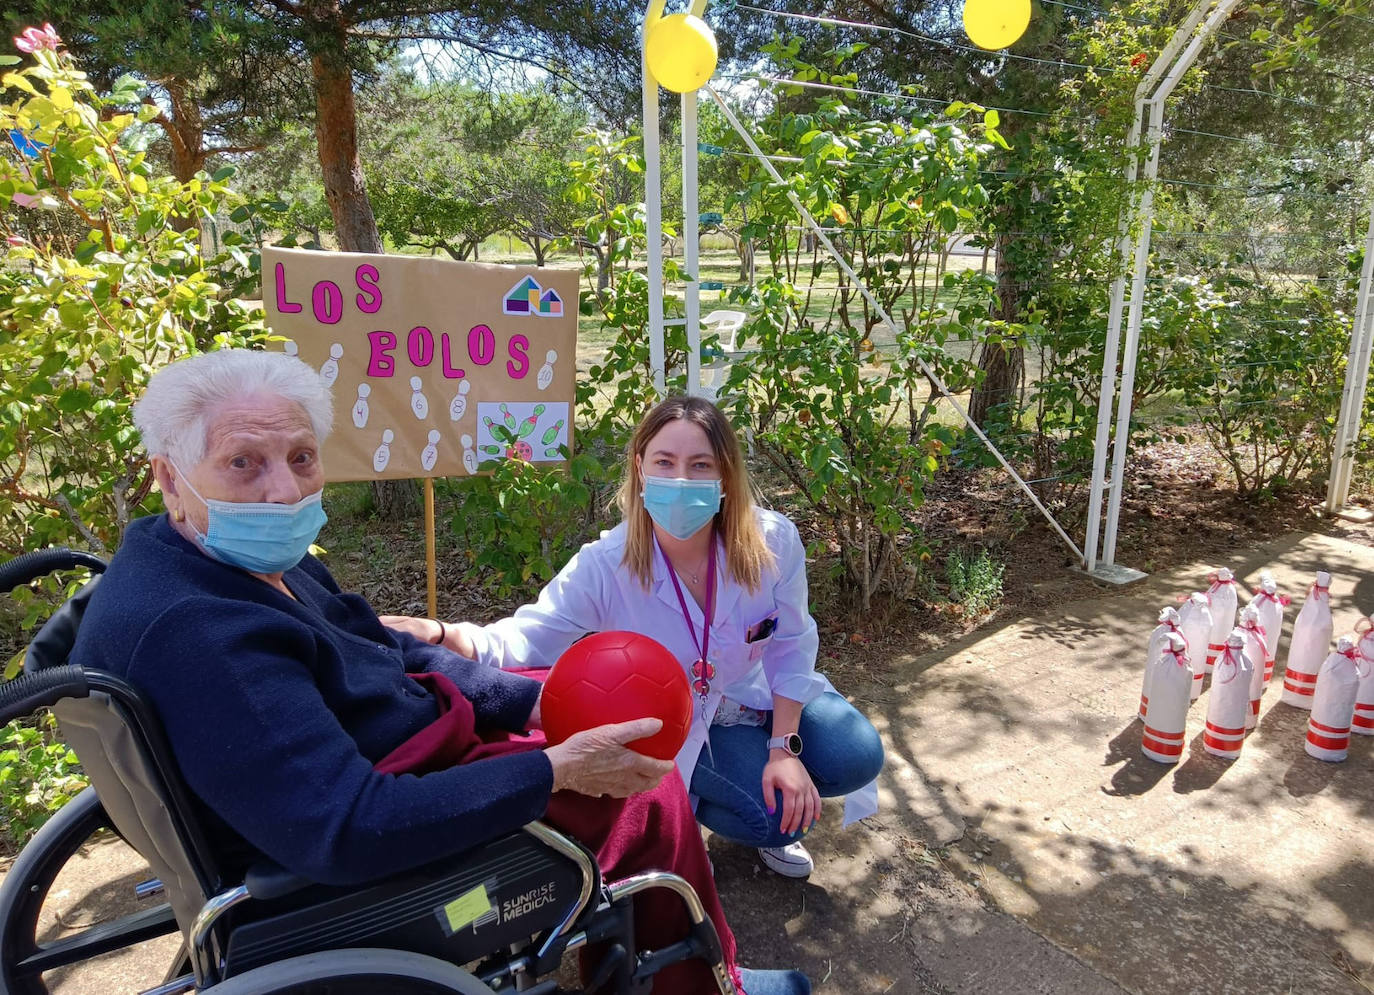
840	750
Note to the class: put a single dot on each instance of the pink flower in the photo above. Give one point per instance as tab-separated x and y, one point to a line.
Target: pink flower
15	240
35	39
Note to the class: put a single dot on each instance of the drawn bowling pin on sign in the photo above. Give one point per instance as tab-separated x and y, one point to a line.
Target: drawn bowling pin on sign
431	451
418	404
383	454
360	406
469	454
329	370
551	432
459	407
546	371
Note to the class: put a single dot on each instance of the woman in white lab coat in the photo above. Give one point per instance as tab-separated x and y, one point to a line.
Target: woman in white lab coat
779	735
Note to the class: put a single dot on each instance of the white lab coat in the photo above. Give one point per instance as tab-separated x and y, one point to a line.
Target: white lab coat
595	593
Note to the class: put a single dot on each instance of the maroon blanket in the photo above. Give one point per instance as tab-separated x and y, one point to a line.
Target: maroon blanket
654	830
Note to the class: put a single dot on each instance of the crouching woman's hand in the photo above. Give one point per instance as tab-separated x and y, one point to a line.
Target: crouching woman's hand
597	762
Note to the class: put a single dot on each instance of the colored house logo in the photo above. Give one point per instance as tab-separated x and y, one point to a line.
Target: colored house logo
527	297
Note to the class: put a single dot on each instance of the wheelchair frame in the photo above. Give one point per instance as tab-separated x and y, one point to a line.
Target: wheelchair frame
231	928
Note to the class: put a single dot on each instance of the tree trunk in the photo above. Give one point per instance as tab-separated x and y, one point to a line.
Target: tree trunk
336	132
336	135
185	132
1002	365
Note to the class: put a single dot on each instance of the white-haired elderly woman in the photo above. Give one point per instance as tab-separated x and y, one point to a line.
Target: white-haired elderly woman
307	730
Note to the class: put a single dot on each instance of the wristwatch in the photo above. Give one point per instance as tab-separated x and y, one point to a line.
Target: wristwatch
791	743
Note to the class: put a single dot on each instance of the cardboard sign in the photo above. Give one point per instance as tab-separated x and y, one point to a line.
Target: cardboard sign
437	366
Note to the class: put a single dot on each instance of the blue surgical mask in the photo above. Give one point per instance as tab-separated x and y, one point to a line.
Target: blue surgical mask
681	507
259	537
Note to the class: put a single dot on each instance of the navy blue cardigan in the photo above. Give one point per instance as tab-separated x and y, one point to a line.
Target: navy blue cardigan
277	710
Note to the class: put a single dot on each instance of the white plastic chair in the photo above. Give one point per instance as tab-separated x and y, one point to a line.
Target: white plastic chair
725	324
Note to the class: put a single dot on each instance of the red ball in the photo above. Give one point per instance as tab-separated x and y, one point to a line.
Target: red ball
616	677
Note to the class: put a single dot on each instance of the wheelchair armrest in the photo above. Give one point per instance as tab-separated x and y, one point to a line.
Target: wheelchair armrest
23	695
266	880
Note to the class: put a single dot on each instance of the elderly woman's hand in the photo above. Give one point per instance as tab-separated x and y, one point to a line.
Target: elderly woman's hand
597	762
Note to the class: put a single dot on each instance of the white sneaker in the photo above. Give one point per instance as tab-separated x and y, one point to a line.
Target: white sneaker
791	861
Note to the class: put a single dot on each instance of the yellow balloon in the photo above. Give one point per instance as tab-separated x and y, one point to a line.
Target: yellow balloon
681	52
994	24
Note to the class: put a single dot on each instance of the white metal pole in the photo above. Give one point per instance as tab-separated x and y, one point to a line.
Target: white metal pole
1356	382
1171	79
653	203
1106	395
691	234
1139	266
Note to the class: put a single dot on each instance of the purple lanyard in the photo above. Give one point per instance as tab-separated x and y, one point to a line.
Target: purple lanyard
702	671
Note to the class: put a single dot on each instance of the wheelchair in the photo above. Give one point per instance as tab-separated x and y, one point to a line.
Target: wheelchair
497	918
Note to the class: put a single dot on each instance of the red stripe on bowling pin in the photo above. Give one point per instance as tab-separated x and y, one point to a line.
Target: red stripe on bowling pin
1296	682
1338	743
1166	747
1223	741
1363	722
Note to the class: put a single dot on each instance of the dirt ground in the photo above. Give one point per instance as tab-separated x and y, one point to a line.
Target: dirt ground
1024	845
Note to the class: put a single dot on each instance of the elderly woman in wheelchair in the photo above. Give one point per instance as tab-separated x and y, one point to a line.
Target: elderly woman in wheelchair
348	804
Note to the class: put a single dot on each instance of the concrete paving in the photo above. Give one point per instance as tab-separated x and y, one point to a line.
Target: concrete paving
1250	876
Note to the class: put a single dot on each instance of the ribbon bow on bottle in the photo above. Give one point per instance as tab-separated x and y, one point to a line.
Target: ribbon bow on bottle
1282	600
1217	582
1228	656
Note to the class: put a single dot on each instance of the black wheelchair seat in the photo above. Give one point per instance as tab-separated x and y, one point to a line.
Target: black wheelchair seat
500	917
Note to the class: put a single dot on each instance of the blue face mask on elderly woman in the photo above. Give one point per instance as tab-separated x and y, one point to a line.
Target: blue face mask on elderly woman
259	537
681	507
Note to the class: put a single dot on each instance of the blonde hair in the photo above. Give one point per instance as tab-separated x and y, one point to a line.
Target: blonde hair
746	555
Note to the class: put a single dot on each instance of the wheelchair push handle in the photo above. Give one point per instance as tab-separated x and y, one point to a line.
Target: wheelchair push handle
26	694
29	566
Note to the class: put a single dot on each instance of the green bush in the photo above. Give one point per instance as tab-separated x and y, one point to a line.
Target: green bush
839	402
525	520
975	580
1263	374
38	775
103	281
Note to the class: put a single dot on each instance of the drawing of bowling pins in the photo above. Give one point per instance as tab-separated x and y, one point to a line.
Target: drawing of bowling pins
360	406
329	371
469	454
290	348
418	404
527	426
459	407
546	371
431	451
551	432
383	454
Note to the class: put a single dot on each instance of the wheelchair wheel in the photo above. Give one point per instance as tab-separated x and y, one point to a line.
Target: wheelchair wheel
360	971
23	958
